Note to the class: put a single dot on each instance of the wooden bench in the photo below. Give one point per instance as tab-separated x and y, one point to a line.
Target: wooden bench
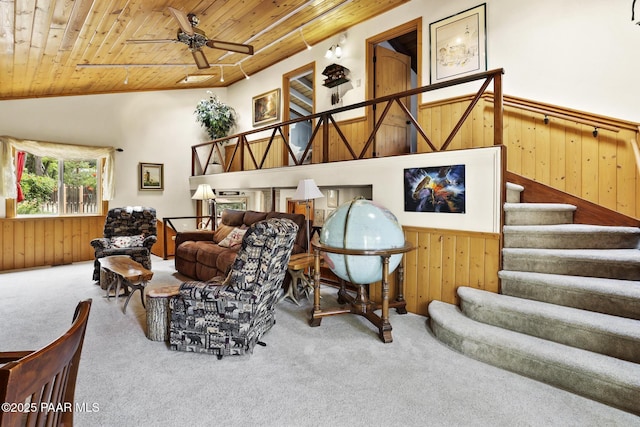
129	275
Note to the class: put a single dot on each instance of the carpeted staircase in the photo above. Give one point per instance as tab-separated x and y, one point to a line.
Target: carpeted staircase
569	309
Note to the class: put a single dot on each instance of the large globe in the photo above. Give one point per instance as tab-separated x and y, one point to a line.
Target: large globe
361	224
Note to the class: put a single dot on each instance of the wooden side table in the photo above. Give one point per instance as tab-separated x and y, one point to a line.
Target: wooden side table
158	312
128	274
361	304
298	263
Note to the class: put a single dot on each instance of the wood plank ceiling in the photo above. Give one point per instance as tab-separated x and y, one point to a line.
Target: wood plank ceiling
45	45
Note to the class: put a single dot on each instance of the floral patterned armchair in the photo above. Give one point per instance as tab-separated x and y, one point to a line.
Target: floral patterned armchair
228	316
127	231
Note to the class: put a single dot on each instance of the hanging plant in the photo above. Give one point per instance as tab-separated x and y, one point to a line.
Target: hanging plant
215	116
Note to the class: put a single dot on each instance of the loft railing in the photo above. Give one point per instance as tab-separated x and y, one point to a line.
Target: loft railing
202	154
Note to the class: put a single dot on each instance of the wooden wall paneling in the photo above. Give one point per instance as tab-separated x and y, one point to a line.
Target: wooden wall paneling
589	162
462	261
528	145
67	241
7	245
3	240
29	244
465	134
435	129
411	270
573	145
607	152
627	178
431	255
543	150
478	121
492	262
557	154
487	125
449	270
40	243
59	231
477	257
18	245
49	242
514	142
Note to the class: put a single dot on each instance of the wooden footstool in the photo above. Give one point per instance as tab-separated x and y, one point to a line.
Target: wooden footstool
158	312
128	274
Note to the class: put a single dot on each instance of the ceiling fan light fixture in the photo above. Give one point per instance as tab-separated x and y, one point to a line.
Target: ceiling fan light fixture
201	60
221	74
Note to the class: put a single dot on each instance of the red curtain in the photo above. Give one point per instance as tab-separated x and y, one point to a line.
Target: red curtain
19	168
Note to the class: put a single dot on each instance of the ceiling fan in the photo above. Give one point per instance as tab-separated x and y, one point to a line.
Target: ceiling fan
196	39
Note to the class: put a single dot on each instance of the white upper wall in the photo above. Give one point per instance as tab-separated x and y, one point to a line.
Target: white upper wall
576	54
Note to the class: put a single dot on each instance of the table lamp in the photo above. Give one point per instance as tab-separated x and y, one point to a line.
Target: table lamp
307	190
205	192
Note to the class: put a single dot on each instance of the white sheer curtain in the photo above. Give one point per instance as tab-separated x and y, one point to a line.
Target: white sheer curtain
8	186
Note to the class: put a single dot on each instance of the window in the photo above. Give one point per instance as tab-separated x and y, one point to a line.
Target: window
58	187
60	183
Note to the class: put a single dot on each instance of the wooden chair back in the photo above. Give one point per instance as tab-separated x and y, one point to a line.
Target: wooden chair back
40	385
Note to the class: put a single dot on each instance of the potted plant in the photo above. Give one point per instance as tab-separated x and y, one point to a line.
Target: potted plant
215	116
218	119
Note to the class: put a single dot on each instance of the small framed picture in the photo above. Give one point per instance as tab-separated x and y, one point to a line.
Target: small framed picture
151	176
266	107
332	198
459	44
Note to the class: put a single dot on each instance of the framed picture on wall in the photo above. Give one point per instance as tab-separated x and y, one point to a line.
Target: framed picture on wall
266	107
439	189
459	44
332	198
151	176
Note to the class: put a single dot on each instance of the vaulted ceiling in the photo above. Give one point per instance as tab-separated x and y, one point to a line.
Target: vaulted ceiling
73	47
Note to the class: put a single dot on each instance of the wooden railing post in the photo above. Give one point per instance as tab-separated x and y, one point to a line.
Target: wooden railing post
498	109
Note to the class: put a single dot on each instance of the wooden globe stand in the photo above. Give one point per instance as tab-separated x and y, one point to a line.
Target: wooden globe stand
361	304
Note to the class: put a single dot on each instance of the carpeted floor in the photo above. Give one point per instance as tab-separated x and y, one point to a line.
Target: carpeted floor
339	374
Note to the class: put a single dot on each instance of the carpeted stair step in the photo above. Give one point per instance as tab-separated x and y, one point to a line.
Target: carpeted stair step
609	296
538	213
601	333
571	236
621	264
603	378
513	192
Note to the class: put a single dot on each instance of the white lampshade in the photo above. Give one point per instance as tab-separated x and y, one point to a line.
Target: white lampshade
204	192
307	190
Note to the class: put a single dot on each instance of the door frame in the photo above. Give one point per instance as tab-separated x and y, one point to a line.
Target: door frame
371	42
286	99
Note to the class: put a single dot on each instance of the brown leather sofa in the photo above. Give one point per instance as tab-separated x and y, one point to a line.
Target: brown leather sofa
199	256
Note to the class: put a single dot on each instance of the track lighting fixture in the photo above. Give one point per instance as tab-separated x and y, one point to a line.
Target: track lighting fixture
303	39
126	79
334	50
246	76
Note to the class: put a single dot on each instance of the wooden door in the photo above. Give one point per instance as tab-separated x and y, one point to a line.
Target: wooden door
392	75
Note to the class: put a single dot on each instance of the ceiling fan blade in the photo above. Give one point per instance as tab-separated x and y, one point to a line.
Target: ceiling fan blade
233	47
140	41
182	19
201	60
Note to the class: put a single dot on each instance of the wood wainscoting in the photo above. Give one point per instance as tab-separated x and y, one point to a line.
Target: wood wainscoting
442	261
36	242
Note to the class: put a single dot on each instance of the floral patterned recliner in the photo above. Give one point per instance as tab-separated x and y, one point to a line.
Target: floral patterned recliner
228	316
127	231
